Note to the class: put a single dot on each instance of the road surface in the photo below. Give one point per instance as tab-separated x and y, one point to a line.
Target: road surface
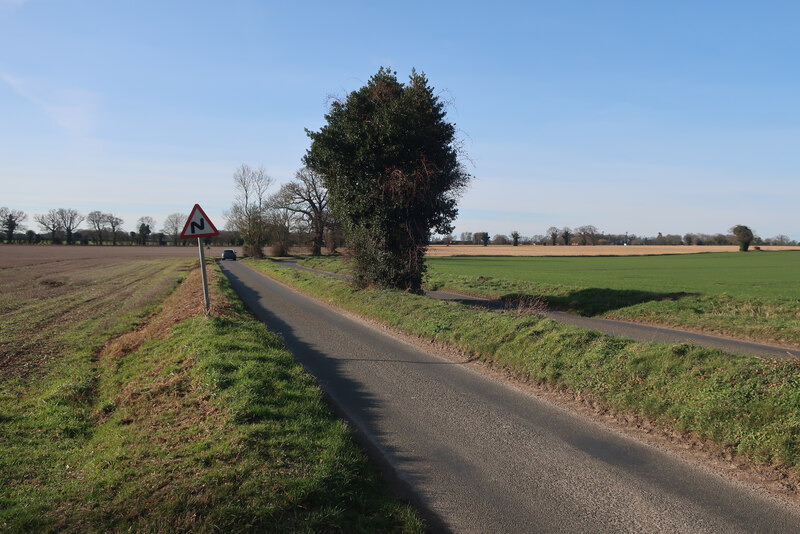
477	455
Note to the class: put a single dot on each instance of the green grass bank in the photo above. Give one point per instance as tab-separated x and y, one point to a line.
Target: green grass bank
145	415
746	405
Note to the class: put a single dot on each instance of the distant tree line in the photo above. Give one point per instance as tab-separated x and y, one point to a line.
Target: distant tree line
590	235
298	215
63	226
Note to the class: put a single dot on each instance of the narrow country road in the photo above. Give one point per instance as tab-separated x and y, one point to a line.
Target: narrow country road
480	456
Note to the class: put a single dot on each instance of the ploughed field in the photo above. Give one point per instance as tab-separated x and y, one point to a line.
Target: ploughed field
22	255
123	407
752	295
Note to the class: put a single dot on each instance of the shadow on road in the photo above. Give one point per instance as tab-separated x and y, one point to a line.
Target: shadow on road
348	399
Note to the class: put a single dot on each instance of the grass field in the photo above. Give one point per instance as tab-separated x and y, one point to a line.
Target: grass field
752	296
746	406
124	408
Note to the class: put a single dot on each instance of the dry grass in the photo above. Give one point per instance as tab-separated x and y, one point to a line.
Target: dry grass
598	250
185	302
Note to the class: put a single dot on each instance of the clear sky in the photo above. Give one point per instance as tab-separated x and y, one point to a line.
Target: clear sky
642	117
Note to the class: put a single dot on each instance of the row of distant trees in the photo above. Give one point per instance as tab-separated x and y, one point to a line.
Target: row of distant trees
590	235
297	214
70	227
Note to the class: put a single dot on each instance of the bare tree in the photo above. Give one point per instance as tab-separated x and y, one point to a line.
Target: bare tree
282	221
115	223
173	225
588	234
49	222
98	220
249	210
307	197
10	220
500	239
70	220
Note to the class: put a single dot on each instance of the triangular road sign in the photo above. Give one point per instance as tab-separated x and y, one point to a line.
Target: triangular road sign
198	225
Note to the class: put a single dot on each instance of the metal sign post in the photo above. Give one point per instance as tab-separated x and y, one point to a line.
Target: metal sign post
203	270
199	225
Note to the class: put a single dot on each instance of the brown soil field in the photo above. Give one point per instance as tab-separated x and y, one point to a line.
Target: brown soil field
22	255
597	250
46	290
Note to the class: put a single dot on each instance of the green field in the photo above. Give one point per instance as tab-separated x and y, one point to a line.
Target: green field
750	296
771	275
754	295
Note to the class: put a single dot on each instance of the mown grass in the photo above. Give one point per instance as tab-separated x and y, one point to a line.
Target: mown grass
753	295
747	405
181	422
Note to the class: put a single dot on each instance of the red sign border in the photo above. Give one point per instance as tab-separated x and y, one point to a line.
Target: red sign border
189	220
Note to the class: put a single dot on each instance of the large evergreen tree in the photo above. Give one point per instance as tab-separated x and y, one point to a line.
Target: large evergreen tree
744	236
390	162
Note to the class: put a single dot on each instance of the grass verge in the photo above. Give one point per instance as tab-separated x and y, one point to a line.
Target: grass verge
746	405
174	421
750	296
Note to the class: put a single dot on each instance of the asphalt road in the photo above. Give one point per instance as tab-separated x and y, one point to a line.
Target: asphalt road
480	456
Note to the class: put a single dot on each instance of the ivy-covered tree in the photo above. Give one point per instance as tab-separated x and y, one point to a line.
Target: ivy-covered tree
744	236
553	233
566	235
10	221
390	162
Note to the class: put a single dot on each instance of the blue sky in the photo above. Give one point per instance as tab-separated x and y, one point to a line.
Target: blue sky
639	117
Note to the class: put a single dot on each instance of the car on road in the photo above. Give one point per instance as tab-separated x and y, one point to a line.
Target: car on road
229	254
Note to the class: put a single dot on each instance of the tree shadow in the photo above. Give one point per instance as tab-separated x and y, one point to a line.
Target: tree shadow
591	301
